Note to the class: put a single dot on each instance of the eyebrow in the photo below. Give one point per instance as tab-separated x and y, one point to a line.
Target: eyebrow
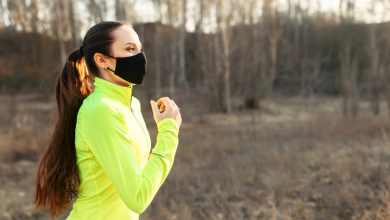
133	44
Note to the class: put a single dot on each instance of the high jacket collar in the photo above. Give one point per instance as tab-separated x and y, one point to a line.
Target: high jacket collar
121	93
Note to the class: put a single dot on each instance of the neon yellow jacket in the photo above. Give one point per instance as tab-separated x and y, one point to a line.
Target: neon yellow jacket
118	172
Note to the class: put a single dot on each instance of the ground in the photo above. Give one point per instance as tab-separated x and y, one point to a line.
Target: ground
294	159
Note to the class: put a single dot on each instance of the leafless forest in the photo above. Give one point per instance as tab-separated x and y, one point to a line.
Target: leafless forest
285	105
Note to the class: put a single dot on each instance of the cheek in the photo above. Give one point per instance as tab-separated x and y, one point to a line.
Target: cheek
112	63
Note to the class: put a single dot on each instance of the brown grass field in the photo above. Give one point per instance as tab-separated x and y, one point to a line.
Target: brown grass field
296	159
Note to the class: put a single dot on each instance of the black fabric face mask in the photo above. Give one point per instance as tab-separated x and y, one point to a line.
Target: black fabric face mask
132	68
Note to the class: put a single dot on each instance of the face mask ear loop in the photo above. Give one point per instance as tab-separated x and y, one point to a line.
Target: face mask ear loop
111	56
111	70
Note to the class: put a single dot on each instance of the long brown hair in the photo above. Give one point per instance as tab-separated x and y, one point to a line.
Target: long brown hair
57	177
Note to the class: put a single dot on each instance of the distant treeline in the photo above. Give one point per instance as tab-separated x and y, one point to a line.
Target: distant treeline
249	57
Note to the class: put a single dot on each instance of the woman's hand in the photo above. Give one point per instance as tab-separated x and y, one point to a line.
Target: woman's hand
171	110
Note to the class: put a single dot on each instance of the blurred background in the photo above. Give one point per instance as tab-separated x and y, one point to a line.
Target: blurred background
285	103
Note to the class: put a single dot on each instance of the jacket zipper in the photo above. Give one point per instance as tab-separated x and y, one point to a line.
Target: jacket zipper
131	109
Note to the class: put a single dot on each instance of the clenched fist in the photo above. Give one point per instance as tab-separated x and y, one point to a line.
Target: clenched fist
171	110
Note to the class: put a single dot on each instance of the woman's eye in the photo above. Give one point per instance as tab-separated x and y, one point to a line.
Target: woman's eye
131	49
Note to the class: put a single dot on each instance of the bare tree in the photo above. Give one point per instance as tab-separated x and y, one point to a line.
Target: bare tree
97	10
157	9
225	24
182	36
74	23
157	54
271	37
15	14
384	63
2	12
199	38
58	26
373	52
217	57
128	10
119	10
172	17
349	78
172	76
348	61
34	16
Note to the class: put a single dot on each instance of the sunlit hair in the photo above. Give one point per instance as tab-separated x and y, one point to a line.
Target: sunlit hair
57	177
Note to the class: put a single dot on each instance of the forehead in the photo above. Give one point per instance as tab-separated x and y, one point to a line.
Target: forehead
125	34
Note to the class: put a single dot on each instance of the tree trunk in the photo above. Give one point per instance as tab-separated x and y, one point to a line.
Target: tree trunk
373	51
349	74
58	25
173	67
119	10
74	25
157	60
182	76
200	52
225	38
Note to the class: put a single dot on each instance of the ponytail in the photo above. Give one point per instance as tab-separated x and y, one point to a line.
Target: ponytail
56	175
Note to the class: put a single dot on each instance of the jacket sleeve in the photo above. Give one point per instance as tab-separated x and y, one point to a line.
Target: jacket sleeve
104	131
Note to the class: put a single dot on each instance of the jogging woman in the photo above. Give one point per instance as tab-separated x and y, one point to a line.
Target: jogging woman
100	149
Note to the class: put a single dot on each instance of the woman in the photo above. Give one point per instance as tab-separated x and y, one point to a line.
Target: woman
100	142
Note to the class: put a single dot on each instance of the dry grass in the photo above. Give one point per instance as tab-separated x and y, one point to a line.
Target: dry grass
300	160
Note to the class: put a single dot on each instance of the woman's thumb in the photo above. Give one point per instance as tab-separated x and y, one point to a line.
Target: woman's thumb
154	106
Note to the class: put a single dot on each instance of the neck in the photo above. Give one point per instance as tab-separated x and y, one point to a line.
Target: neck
121	93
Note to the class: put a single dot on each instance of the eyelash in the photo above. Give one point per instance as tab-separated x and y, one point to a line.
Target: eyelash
133	48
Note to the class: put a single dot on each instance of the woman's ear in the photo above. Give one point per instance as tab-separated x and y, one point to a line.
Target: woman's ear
100	60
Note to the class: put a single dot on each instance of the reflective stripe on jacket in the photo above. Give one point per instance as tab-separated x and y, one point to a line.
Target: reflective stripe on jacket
119	173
